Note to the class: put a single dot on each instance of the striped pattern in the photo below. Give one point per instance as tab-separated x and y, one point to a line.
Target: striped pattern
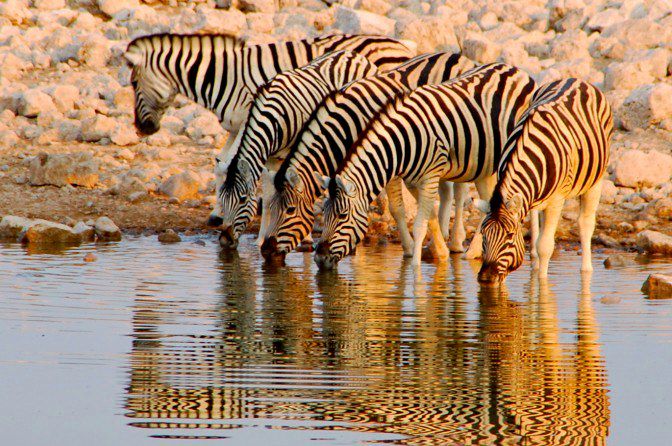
559	150
222	74
332	129
279	111
452	132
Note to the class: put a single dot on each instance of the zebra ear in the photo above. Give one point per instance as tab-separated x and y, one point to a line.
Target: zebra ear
133	58
514	204
321	180
294	180
347	186
482	205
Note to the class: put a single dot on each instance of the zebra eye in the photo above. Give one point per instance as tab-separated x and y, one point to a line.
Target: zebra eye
242	199
291	210
343	215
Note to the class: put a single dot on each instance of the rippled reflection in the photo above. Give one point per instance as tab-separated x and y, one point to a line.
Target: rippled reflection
368	349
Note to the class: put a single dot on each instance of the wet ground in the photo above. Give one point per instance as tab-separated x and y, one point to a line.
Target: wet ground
181	341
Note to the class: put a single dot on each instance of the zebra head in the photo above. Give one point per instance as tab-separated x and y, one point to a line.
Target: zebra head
291	213
346	218
236	203
503	244
154	91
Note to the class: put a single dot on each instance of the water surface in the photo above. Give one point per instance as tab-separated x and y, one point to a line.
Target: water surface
154	342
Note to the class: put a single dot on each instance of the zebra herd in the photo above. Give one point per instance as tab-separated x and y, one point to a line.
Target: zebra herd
351	116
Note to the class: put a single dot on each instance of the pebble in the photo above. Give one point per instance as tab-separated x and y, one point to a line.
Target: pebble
90	257
169	236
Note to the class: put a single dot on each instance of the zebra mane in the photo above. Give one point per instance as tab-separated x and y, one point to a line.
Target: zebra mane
235	41
232	172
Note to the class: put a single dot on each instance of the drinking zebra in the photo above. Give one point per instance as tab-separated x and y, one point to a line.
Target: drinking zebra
279	111
559	150
222	74
451	132
332	129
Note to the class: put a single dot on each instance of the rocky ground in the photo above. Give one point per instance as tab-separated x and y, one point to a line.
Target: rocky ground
69	152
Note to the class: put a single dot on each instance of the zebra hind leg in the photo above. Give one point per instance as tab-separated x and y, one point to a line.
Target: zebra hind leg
588	207
427	194
398	211
458	234
446	189
438	245
546	244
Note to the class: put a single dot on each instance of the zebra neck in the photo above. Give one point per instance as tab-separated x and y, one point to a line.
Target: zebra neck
371	171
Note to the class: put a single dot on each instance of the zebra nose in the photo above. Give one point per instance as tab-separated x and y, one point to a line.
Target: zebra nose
323	248
146	127
227	239
215	220
488	275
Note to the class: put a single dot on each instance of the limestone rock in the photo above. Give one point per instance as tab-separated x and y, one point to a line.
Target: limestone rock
352	21
615	261
267	6
181	186
655	242
106	229
49	4
231	22
86	232
46	232
658	286
479	49
112	7
124	135
11	227
431	34
65	97
79	169
638	169
33	102
609	192
96	128
169	236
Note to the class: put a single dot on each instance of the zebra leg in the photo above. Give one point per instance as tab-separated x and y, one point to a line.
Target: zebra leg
445	202
534	237
396	205
427	194
458	234
546	245
438	242
485	187
588	207
266	185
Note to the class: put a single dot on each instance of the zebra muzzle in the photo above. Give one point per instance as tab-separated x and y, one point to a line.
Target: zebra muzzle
490	276
270	252
227	239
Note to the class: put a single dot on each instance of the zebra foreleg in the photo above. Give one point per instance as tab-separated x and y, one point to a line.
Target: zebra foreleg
458	234
427	194
588	207
485	186
266	187
446	193
546	244
534	236
398	211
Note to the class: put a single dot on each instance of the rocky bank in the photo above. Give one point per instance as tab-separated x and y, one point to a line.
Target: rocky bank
69	151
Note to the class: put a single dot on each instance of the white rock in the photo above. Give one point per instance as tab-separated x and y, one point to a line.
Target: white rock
655	242
570	46
203	126
430	34
106	229
380	7
181	186
488	21
12	67
49	4
79	169
8	138
124	135
639	33
47	232
609	192
658	286
352	21
64	97
267	6
86	232
15	10
11	226
260	22
642	67
33	102
112	7
96	128
231	22
646	105
480	49
638	169
95	52
604	19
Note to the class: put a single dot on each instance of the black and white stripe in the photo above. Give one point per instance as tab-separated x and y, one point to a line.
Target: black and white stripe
451	132
332	129
222	74
558	150
278	113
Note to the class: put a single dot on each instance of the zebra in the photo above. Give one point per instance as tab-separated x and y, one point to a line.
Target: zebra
450	132
278	113
221	73
558	150
332	129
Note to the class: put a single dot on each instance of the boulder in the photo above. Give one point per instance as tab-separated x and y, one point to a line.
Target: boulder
65	97
124	135
181	186
267	6
352	21
16	11
662	208
646	105
609	192
479	49
78	169
231	22
169	236
49	5
106	229
640	68
604	19
380	7
12	67
46	232
655	242
11	227
616	261
430	34
96	128
86	232
95	52
638	169
33	102
203	126
658	286
112	7
639	33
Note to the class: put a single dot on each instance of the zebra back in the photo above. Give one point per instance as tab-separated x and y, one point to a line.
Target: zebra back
222	74
561	144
